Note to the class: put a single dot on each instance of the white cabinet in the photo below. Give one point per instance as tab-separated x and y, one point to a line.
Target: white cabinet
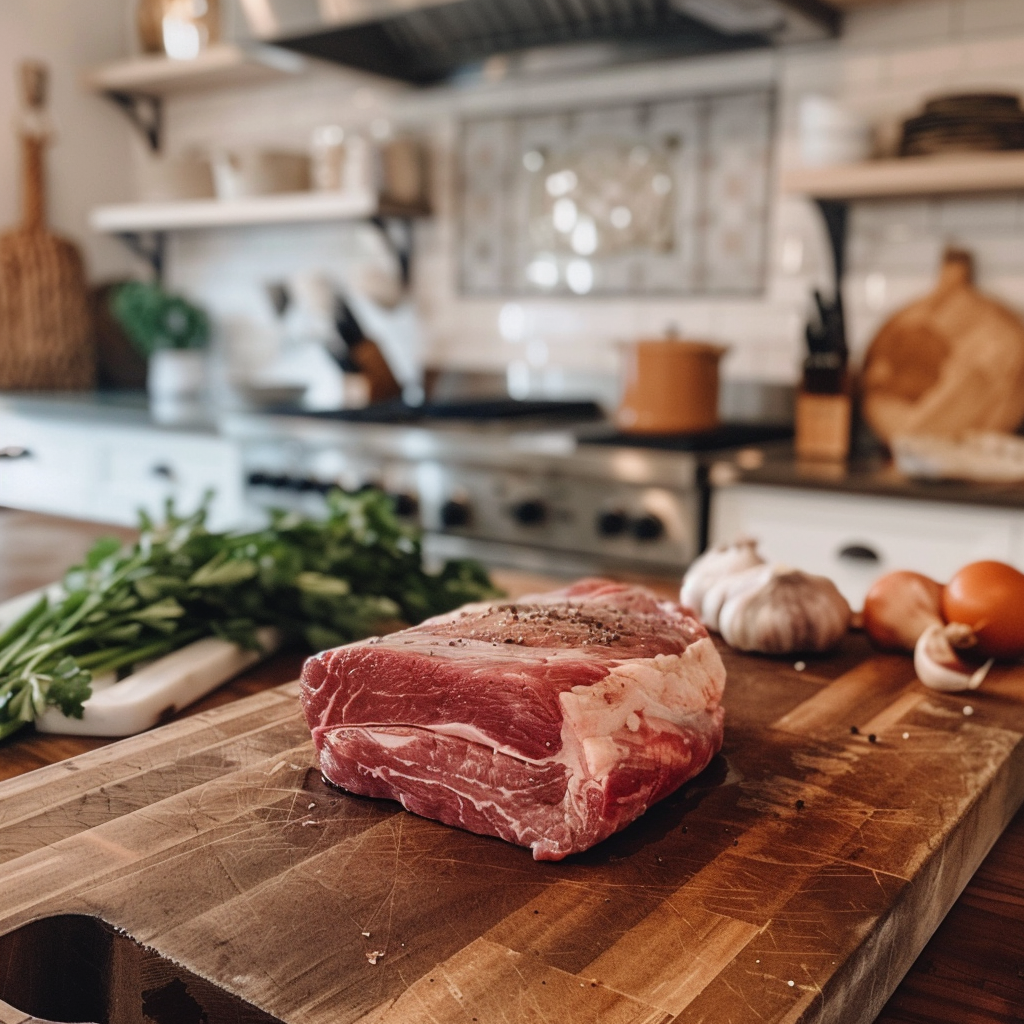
143	470
108	472
46	469
853	538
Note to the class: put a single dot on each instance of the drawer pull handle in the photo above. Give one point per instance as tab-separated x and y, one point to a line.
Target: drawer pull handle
859	553
15	451
162	470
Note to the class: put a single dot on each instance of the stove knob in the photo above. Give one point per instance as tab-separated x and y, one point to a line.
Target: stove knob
531	512
455	513
612	523
648	527
406	505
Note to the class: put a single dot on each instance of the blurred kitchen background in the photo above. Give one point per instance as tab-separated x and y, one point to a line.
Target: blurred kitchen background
460	205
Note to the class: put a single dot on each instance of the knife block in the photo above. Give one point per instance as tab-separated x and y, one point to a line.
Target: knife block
823	424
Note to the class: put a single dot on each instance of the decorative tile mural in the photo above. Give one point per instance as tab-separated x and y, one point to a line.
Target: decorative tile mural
666	197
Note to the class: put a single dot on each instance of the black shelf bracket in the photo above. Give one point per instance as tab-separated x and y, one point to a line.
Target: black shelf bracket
836	214
396	230
150	246
144	111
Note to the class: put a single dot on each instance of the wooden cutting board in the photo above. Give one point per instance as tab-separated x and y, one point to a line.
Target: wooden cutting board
950	362
796	880
45	334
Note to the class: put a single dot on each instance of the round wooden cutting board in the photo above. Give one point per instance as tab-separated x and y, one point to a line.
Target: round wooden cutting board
950	362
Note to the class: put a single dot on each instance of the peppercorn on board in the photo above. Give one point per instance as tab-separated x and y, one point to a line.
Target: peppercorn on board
799	875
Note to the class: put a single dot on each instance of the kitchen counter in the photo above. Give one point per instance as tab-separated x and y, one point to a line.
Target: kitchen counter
775	464
871	474
97	408
971	969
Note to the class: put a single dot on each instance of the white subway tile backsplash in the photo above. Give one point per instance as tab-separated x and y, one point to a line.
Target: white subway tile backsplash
894	220
991	15
992	55
1008	288
932	64
996	214
908	21
862	70
993	254
920	255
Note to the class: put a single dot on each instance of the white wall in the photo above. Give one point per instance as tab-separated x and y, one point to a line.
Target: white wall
890	59
89	162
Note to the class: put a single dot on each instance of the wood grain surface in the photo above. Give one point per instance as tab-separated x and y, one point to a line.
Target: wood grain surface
805	854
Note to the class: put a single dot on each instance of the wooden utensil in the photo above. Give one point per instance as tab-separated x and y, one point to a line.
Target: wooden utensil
950	362
44	307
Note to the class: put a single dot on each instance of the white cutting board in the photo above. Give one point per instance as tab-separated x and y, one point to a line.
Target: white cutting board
140	700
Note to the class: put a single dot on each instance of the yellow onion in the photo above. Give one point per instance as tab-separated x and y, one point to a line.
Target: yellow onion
899	607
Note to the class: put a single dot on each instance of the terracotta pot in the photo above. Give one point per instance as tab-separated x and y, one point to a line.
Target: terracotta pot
669	387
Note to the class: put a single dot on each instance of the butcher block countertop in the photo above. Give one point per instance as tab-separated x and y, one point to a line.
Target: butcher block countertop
204	871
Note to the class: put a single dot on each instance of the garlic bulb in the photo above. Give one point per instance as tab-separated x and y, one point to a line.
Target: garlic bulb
713	566
784	610
729	587
939	666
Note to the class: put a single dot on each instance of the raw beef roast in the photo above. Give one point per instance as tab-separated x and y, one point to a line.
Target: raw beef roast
551	722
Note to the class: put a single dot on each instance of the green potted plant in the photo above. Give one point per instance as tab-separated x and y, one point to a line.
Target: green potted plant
173	335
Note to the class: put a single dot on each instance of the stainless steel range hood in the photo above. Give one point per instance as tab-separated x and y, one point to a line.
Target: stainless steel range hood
427	41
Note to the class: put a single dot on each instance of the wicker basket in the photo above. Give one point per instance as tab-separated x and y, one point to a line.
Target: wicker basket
45	326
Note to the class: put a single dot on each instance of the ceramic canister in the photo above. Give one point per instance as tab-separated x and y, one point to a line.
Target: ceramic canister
669	387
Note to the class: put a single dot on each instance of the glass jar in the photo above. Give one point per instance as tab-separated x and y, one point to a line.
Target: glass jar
181	29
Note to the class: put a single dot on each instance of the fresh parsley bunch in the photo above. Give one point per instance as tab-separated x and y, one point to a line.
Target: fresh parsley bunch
321	582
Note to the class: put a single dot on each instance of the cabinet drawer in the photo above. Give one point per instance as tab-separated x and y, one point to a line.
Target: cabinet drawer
107	473
56	473
143	470
854	539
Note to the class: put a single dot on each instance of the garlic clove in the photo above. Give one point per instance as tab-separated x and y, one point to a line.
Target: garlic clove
715	565
940	667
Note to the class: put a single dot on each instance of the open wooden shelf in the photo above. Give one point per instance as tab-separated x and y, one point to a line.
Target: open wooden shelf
285	208
218	66
911	176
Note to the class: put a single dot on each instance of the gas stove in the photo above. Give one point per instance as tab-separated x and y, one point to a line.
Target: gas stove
539	486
